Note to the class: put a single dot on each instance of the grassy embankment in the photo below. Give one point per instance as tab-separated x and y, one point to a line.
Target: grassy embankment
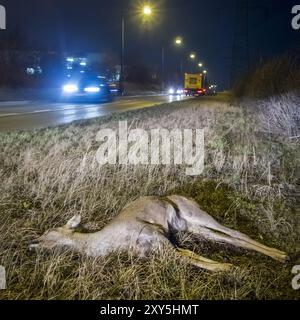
249	183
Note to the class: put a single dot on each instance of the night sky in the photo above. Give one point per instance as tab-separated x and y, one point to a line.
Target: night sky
207	26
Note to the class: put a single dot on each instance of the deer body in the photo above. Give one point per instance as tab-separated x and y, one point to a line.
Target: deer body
146	225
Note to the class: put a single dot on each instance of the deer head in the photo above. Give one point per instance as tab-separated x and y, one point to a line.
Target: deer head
59	237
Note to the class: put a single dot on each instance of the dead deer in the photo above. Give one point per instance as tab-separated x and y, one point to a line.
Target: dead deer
146	225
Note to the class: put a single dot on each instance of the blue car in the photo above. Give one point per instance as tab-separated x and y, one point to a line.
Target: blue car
86	88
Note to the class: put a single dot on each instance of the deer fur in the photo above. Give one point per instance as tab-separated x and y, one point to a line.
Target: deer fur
146	225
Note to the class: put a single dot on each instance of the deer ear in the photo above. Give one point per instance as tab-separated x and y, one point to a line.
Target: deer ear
74	222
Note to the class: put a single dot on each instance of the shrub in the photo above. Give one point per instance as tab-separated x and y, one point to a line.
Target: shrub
276	77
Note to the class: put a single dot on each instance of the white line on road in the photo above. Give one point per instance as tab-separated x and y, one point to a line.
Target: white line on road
40	111
46	110
24	113
78	107
67	108
8	115
14	103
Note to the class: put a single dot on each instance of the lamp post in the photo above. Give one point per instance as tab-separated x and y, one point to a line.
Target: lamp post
192	57
179	43
204	77
121	82
162	69
146	11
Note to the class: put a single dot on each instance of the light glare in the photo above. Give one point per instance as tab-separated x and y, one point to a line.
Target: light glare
147	10
92	89
69	88
178	41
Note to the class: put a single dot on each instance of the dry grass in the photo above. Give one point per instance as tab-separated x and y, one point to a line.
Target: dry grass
249	183
278	115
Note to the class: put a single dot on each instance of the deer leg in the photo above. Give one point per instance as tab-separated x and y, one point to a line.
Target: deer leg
222	234
159	243
202	262
257	246
201	223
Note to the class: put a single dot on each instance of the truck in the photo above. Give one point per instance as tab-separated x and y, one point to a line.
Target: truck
194	84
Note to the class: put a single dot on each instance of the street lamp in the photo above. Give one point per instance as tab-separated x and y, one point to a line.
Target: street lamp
200	65
204	77
145	11
178	41
192	57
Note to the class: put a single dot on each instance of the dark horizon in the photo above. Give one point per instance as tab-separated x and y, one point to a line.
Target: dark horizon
208	28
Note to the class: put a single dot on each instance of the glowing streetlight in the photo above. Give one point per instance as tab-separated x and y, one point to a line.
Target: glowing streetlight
204	77
147	10
178	41
144	11
200	65
192	56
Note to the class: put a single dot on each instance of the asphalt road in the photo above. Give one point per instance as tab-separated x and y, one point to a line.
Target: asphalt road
26	115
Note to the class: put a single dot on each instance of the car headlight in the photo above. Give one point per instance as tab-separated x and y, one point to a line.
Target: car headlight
92	89
179	91
70	88
171	91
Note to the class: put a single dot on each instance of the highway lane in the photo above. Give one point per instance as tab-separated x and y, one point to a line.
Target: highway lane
26	115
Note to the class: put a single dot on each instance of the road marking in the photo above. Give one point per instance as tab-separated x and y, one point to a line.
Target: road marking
148	95
14	103
93	106
8	115
40	111
24	113
68	108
